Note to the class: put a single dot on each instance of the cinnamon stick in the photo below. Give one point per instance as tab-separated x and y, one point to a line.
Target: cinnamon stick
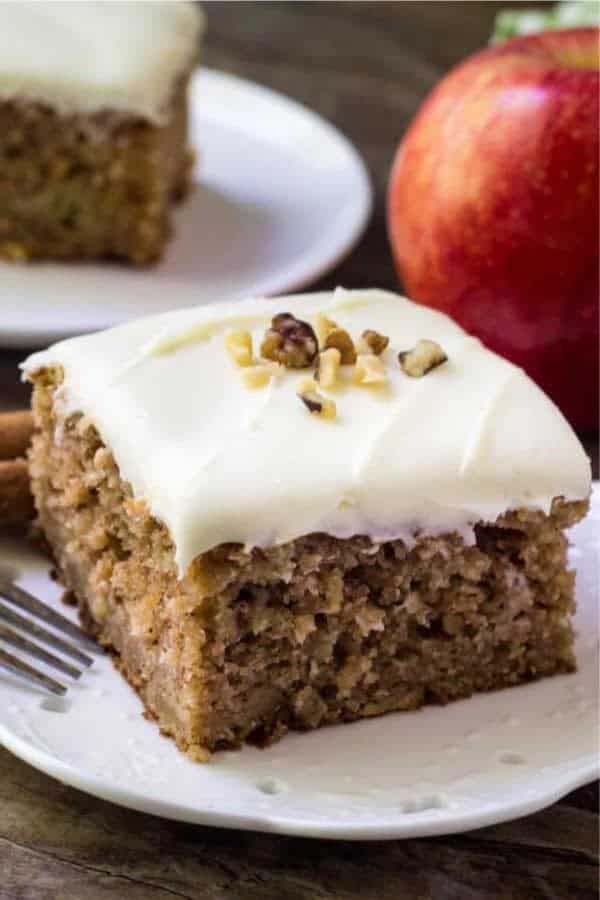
16	429
16	502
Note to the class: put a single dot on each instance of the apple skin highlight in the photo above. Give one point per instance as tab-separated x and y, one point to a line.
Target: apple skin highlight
493	208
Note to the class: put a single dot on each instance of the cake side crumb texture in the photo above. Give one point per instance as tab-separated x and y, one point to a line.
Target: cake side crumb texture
88	187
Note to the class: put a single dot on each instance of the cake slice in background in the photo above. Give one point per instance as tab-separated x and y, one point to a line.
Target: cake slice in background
286	513
93	127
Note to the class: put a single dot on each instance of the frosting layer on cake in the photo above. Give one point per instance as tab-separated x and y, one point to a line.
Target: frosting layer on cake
85	57
218	462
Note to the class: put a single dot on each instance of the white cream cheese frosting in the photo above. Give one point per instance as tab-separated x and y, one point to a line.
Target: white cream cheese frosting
218	462
81	57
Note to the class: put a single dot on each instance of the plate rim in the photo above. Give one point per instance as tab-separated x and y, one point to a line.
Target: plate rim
32	336
265	823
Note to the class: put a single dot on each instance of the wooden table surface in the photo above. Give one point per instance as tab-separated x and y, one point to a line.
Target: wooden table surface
365	66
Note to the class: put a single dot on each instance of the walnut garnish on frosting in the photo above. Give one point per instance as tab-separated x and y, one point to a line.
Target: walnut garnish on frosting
339	339
423	358
239	346
327	367
290	341
316	403
374	342
369	371
258	375
323	326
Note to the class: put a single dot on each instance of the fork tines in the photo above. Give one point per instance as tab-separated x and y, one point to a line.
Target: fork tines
17	630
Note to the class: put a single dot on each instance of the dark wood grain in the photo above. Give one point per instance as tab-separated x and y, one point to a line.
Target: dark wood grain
365	66
53	836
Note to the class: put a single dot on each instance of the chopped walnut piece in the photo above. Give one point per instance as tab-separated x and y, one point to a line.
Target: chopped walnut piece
323	326
259	375
424	356
239	346
14	251
305	385
328	364
316	403
341	340
374	342
369	371
290	341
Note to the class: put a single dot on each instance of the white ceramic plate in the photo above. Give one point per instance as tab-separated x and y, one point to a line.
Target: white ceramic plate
436	771
280	196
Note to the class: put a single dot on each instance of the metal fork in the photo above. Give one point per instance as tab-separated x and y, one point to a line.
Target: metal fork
16	631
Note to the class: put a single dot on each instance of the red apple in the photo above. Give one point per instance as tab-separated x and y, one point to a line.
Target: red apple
493	208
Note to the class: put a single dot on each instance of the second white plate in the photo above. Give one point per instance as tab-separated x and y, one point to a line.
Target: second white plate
279	197
439	770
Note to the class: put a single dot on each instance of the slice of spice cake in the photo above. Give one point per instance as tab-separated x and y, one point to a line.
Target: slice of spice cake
93	126
286	513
